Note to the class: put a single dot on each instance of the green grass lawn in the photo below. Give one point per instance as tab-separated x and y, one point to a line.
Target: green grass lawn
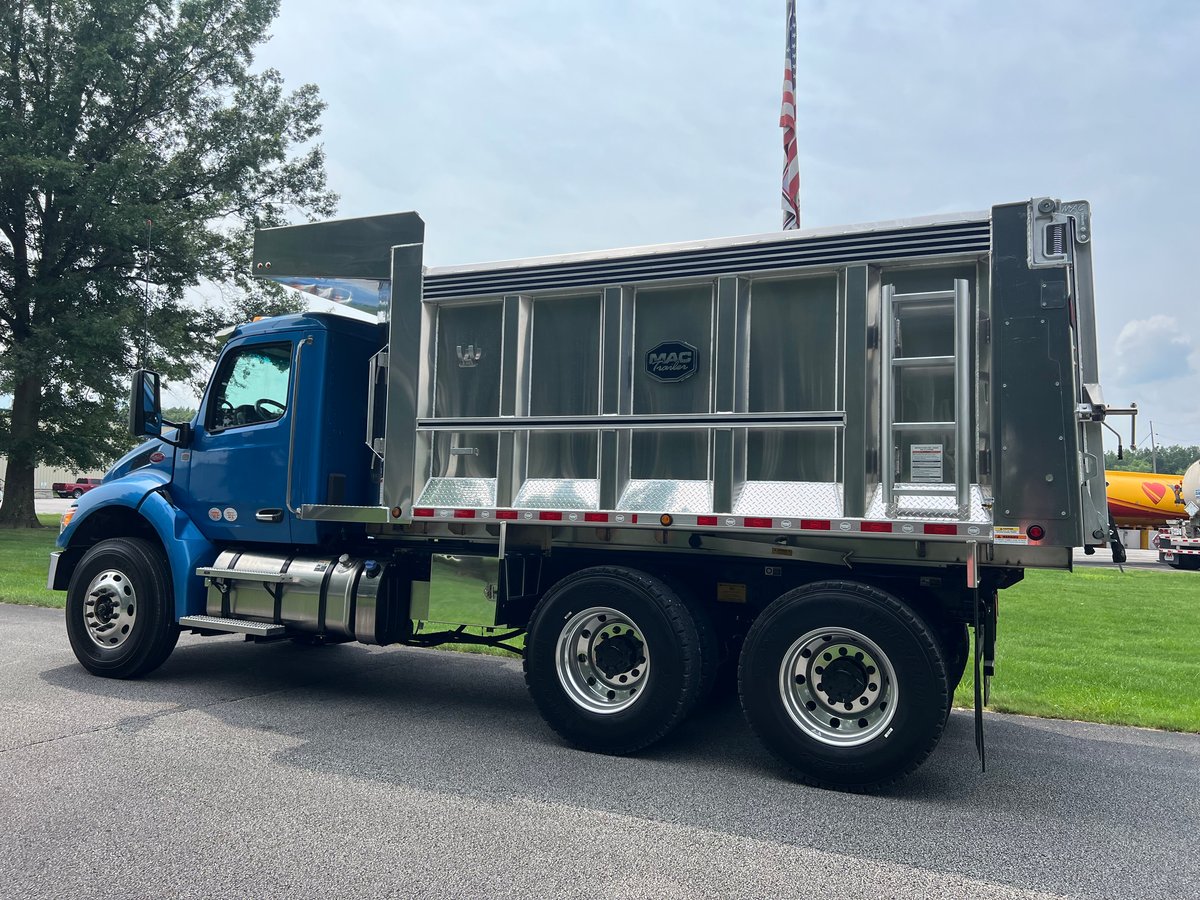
1100	646
1095	644
24	562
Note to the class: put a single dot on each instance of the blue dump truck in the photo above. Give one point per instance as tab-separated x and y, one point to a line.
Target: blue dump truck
807	461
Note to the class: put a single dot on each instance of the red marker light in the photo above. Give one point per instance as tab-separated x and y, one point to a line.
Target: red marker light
506	514
550	516
595	517
464	514
757	522
939	528
706	520
157	456
423	512
815	524
877	527
1036	532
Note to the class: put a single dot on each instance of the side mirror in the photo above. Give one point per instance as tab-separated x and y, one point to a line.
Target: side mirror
145	405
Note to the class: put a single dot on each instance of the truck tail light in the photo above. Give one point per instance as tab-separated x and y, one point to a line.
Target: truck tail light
1036	532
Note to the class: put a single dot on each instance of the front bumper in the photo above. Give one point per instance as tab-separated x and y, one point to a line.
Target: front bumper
55	556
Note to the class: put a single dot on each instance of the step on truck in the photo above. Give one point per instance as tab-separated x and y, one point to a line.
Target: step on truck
805	461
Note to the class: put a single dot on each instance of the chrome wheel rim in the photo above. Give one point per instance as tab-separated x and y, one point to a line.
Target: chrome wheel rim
110	609
602	660
838	686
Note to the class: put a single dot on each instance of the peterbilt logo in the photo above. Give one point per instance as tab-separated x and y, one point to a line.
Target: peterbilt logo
672	361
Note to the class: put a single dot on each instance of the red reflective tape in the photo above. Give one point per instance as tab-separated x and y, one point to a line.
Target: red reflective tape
595	517
938	528
464	514
424	512
816	524
706	520
547	516
878	527
506	514
756	522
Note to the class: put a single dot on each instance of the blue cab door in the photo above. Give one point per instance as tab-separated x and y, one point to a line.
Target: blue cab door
233	483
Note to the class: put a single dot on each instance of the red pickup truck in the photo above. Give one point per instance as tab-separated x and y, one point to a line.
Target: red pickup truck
76	488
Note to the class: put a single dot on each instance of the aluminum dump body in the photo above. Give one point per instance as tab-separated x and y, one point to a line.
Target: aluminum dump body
914	382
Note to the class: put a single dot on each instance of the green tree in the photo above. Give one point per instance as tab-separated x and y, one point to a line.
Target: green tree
138	151
1172	459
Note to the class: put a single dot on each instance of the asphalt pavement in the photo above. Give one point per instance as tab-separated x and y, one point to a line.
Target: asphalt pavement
281	770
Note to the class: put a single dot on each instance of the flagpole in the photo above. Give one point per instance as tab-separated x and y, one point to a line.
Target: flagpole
787	121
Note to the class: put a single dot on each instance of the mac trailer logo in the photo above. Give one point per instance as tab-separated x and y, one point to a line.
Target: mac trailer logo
469	358
672	361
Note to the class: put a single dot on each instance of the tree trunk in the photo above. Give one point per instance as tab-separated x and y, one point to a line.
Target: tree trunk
17	510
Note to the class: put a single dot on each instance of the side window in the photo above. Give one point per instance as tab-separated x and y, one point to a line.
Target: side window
251	387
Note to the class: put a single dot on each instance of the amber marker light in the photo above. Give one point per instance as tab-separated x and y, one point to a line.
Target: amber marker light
665	519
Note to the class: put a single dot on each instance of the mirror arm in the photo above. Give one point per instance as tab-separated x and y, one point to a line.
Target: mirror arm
183	436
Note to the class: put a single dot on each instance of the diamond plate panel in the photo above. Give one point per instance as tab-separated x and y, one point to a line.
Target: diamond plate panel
655	495
789	498
559	493
463	492
910	507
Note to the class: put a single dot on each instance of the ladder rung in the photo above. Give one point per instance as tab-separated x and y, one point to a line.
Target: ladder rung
924	426
923	296
941	490
923	362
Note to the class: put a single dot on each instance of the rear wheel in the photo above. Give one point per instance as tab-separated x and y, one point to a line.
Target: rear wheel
77	493
845	684
119	609
613	659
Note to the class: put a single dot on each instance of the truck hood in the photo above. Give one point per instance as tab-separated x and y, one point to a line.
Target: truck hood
143	456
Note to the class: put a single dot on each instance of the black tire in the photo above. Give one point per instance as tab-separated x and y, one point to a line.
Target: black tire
706	630
77	493
667	635
138	568
904	718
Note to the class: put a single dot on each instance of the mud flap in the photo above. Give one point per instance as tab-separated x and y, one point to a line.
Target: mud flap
979	701
1114	541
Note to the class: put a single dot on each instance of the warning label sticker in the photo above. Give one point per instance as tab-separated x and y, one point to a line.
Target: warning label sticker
925	462
1010	534
731	593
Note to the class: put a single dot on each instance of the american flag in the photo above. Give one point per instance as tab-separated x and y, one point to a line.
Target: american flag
787	121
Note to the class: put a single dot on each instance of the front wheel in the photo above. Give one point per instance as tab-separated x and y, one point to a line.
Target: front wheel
613	659
845	684
119	609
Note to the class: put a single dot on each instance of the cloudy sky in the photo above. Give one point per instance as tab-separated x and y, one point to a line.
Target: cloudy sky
524	127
